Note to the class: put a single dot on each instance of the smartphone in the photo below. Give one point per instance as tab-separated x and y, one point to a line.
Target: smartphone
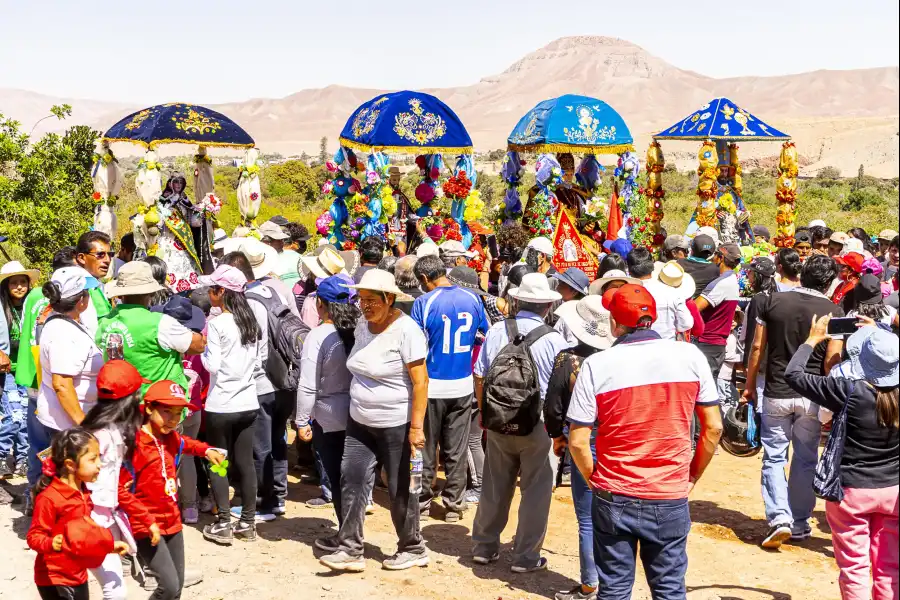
843	326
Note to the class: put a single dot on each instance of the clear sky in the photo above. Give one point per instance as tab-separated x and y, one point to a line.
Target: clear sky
224	50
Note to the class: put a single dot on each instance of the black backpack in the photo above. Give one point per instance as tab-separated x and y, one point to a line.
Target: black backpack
287	333
511	403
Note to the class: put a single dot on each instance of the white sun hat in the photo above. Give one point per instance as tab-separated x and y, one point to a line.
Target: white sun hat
325	263
588	321
542	245
612	275
672	274
14	267
535	288
262	257
376	280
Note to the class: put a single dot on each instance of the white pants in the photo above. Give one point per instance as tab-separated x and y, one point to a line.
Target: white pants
109	574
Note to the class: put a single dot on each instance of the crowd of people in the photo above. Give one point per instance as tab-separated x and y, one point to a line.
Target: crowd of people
132	410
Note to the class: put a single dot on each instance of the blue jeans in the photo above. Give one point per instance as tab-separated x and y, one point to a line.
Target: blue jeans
14	413
661	527
582	499
728	396
789	422
39	437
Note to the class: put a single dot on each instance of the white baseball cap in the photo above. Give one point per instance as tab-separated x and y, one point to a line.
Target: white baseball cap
455	248
853	245
817	223
427	248
72	281
542	245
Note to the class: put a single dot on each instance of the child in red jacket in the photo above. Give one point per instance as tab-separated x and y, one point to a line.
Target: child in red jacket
60	499
157	450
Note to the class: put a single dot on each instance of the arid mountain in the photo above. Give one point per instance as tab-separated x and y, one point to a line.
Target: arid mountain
839	118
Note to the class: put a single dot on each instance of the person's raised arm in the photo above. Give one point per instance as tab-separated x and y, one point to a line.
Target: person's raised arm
418	373
710	419
829	392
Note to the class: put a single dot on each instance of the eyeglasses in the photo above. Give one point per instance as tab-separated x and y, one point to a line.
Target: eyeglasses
102	255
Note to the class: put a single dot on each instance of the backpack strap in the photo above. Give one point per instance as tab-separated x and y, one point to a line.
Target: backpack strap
512	329
536	334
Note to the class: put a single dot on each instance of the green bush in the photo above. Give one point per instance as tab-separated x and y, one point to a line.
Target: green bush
861	198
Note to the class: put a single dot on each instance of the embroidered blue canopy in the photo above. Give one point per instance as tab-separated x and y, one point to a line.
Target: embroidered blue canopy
410	122
722	119
179	123
571	123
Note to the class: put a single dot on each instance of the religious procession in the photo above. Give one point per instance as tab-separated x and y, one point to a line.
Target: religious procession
435	357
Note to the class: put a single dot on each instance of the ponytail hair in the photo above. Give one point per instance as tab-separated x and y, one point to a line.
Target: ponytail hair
70	444
886	407
345	318
123	414
59	304
248	326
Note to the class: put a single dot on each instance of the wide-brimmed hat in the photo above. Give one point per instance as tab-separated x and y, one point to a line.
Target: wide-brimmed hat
304	270
376	280
134	279
351	261
262	257
467	278
323	264
272	231
575	278
588	321
887	235
14	267
612	275
875	356
219	237
673	275
535	288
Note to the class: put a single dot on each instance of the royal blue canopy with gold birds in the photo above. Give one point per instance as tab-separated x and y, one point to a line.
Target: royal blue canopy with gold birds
179	123
722	119
571	123
410	122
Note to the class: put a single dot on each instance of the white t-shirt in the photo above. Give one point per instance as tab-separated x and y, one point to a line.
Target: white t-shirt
231	366
89	319
172	335
66	349
381	390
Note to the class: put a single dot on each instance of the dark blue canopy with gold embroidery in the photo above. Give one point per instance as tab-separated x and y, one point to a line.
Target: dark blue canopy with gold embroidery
722	119
411	122
571	123
179	123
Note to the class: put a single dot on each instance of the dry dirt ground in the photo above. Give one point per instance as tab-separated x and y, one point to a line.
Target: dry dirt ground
725	560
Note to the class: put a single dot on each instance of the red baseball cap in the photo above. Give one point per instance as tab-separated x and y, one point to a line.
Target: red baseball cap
629	304
167	393
854	260
118	379
86	542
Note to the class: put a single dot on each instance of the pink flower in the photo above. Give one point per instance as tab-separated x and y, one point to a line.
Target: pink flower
327	187
331	167
254	196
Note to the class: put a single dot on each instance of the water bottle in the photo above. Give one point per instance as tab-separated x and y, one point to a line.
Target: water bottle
415	473
115	347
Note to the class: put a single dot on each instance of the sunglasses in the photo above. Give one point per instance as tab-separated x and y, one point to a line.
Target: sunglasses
102	255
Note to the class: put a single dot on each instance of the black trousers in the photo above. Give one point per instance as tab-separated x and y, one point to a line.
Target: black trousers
447	422
63	592
166	560
234	432
330	447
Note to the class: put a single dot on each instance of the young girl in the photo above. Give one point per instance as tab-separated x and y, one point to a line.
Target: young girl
232	359
15	283
114	421
158	448
60	498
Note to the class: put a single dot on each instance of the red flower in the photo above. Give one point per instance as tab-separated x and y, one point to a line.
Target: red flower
182	286
532	229
96	196
178	245
170	279
254	196
643	228
194	279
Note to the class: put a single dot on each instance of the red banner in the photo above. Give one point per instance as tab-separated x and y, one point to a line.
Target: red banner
568	248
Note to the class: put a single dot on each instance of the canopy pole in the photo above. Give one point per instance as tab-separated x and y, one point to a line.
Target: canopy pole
786	194
656	164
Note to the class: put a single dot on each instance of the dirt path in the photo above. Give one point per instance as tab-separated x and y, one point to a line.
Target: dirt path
725	561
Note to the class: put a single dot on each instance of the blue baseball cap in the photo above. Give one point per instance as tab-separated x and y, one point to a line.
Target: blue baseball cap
182	310
334	289
620	246
575	278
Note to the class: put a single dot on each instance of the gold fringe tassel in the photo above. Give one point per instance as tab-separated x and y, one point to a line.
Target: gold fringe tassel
405	149
156	143
574	148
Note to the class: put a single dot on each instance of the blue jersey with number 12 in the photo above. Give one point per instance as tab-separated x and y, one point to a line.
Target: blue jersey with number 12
450	318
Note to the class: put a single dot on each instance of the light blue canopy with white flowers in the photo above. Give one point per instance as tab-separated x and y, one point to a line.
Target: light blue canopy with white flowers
571	123
722	119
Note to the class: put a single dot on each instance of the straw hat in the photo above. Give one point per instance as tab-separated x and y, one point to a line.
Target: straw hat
134	279
323	264
612	275
535	288
672	274
588	321
14	267
262	257
376	280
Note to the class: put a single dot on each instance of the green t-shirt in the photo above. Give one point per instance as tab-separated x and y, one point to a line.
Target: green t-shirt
100	301
139	329
26	370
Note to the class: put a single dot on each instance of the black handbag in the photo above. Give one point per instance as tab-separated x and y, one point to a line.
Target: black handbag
827	482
